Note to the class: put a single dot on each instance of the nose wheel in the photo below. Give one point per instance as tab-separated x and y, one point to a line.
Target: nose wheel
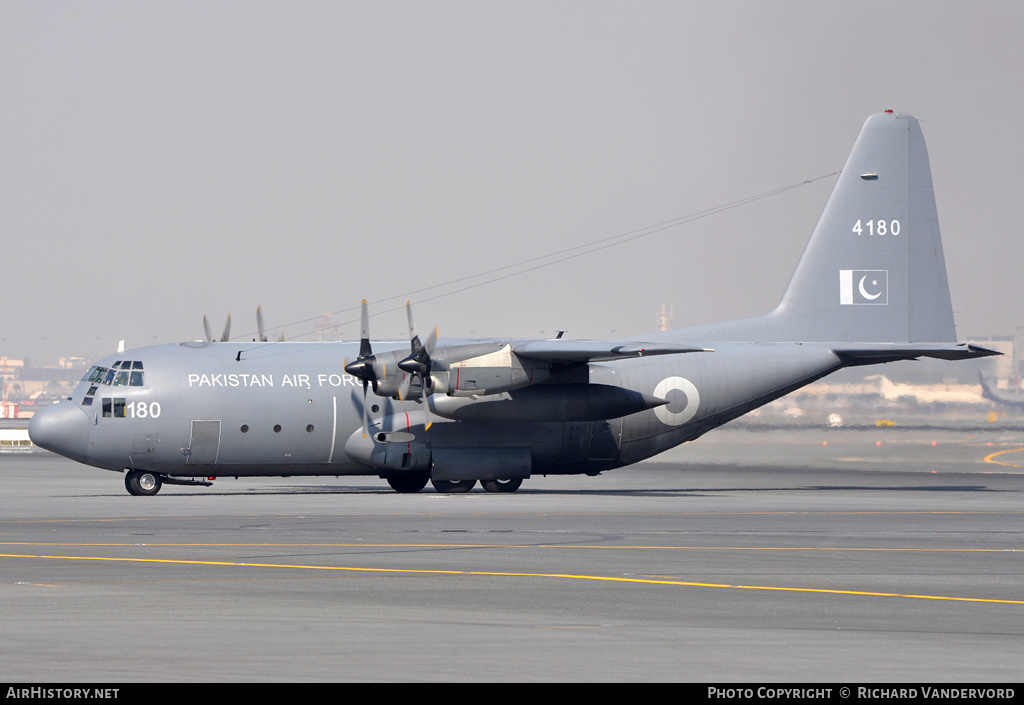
142	483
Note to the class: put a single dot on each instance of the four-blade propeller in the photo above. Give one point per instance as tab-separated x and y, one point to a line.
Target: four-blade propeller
372	370
226	335
362	368
418	363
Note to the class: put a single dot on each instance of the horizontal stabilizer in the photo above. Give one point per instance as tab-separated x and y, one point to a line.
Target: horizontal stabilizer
867	354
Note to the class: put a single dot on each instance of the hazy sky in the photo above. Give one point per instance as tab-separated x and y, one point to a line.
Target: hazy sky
164	160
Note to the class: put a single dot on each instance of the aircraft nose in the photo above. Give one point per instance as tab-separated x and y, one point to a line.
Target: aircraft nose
62	428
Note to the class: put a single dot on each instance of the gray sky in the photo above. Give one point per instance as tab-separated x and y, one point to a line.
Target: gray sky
164	160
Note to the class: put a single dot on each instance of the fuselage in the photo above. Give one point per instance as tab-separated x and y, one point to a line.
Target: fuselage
228	409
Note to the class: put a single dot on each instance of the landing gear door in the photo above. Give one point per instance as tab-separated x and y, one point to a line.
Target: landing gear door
205	443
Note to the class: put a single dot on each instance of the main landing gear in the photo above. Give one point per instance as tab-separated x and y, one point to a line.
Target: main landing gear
501	485
453	486
408	482
411	482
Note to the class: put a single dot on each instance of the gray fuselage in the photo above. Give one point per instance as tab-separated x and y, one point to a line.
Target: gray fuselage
204	409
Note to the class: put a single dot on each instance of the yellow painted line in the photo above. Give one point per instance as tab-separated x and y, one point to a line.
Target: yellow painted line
575	547
563	576
988	458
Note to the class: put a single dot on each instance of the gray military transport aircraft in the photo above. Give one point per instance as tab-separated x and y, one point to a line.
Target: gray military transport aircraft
870	288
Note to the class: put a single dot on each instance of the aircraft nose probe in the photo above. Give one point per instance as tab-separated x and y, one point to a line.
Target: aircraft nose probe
62	428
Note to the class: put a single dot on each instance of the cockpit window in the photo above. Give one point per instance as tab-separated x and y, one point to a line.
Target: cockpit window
118	374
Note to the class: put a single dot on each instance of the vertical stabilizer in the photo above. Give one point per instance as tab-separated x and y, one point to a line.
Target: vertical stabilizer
873	270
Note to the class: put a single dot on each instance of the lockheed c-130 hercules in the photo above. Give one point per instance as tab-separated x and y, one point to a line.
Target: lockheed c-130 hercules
869	288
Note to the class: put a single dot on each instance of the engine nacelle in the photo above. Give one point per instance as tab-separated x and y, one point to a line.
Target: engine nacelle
491	372
393	444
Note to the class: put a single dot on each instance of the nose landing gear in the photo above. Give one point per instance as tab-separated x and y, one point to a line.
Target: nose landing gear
146	483
142	483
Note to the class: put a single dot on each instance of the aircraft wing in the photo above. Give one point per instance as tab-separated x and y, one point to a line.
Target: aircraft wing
596	350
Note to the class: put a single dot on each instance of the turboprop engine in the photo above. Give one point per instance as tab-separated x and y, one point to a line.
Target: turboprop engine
472	370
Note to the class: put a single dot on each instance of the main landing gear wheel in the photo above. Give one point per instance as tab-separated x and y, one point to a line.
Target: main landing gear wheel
453	486
408	482
142	483
502	485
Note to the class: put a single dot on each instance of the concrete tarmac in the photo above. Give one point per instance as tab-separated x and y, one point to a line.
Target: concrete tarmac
744	557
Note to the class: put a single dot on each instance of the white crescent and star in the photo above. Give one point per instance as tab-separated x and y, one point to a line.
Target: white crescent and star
864	292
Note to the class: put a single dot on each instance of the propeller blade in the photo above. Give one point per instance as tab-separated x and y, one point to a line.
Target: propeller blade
364	333
365	367
259	324
408	313
431	341
227	330
404	387
426	408
366	413
206	328
418	360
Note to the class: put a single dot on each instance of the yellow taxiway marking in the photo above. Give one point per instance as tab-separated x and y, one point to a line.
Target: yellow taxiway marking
563	576
989	458
573	546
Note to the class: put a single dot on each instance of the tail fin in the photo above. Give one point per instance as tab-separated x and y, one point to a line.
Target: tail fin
873	270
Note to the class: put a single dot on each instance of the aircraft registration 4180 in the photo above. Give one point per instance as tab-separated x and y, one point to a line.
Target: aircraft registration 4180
870	288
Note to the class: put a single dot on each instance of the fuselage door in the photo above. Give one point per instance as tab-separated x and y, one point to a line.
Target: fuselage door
205	443
144	447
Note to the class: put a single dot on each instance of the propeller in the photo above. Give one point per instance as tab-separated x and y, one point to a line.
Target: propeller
362	368
373	371
259	324
262	329
224	336
418	362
